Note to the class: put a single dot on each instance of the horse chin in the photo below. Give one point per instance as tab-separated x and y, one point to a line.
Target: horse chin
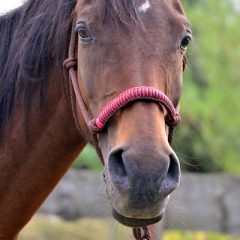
135	222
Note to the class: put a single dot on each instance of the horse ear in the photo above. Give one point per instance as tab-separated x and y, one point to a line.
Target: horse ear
184	61
177	5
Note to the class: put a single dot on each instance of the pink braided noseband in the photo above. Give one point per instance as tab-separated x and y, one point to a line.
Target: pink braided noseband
133	94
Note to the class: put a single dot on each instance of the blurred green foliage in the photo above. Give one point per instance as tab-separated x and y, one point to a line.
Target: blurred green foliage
88	159
209	131
208	136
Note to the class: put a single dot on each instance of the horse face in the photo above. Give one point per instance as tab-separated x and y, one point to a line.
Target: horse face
125	45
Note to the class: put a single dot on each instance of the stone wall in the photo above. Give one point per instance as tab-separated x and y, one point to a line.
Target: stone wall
209	202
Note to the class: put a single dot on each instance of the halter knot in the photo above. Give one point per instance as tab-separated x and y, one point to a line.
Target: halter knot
69	63
174	123
93	126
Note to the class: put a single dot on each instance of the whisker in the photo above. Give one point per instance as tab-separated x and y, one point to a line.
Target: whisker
184	155
194	166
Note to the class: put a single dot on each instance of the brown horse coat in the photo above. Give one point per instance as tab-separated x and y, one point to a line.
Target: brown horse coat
132	45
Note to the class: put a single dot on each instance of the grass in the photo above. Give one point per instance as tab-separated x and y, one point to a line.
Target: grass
52	228
200	235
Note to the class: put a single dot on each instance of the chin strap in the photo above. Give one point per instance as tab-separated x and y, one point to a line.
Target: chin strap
97	125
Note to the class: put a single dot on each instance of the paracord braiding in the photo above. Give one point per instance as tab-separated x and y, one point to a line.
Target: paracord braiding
133	94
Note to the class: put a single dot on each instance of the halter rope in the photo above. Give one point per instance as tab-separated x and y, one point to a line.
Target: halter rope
172	118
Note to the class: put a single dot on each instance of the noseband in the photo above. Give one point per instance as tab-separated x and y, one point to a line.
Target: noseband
143	93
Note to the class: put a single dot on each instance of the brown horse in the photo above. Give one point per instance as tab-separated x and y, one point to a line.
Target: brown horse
121	44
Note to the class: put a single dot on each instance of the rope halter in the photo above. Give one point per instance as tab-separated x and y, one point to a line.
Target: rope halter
143	93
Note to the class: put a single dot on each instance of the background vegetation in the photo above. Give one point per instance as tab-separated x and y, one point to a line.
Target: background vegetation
53	227
208	136
209	131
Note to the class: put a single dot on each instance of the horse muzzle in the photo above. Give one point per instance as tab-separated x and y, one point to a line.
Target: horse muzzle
140	183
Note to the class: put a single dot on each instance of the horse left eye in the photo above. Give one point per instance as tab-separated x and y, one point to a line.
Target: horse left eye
84	34
185	43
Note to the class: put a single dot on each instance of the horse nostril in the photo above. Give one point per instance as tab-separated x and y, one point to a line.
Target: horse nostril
172	178
104	177
134	176
117	170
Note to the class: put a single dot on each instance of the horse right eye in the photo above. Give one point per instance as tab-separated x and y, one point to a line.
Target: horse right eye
84	34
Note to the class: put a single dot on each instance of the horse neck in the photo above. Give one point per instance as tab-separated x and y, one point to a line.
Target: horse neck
34	162
39	144
51	119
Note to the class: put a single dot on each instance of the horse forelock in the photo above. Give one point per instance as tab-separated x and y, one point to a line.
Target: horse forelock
114	12
123	12
33	37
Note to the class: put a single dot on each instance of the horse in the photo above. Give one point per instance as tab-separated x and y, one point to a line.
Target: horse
128	53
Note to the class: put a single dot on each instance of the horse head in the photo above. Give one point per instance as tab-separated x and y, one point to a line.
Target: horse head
123	45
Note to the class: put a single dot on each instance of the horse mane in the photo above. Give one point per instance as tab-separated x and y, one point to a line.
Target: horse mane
33	37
